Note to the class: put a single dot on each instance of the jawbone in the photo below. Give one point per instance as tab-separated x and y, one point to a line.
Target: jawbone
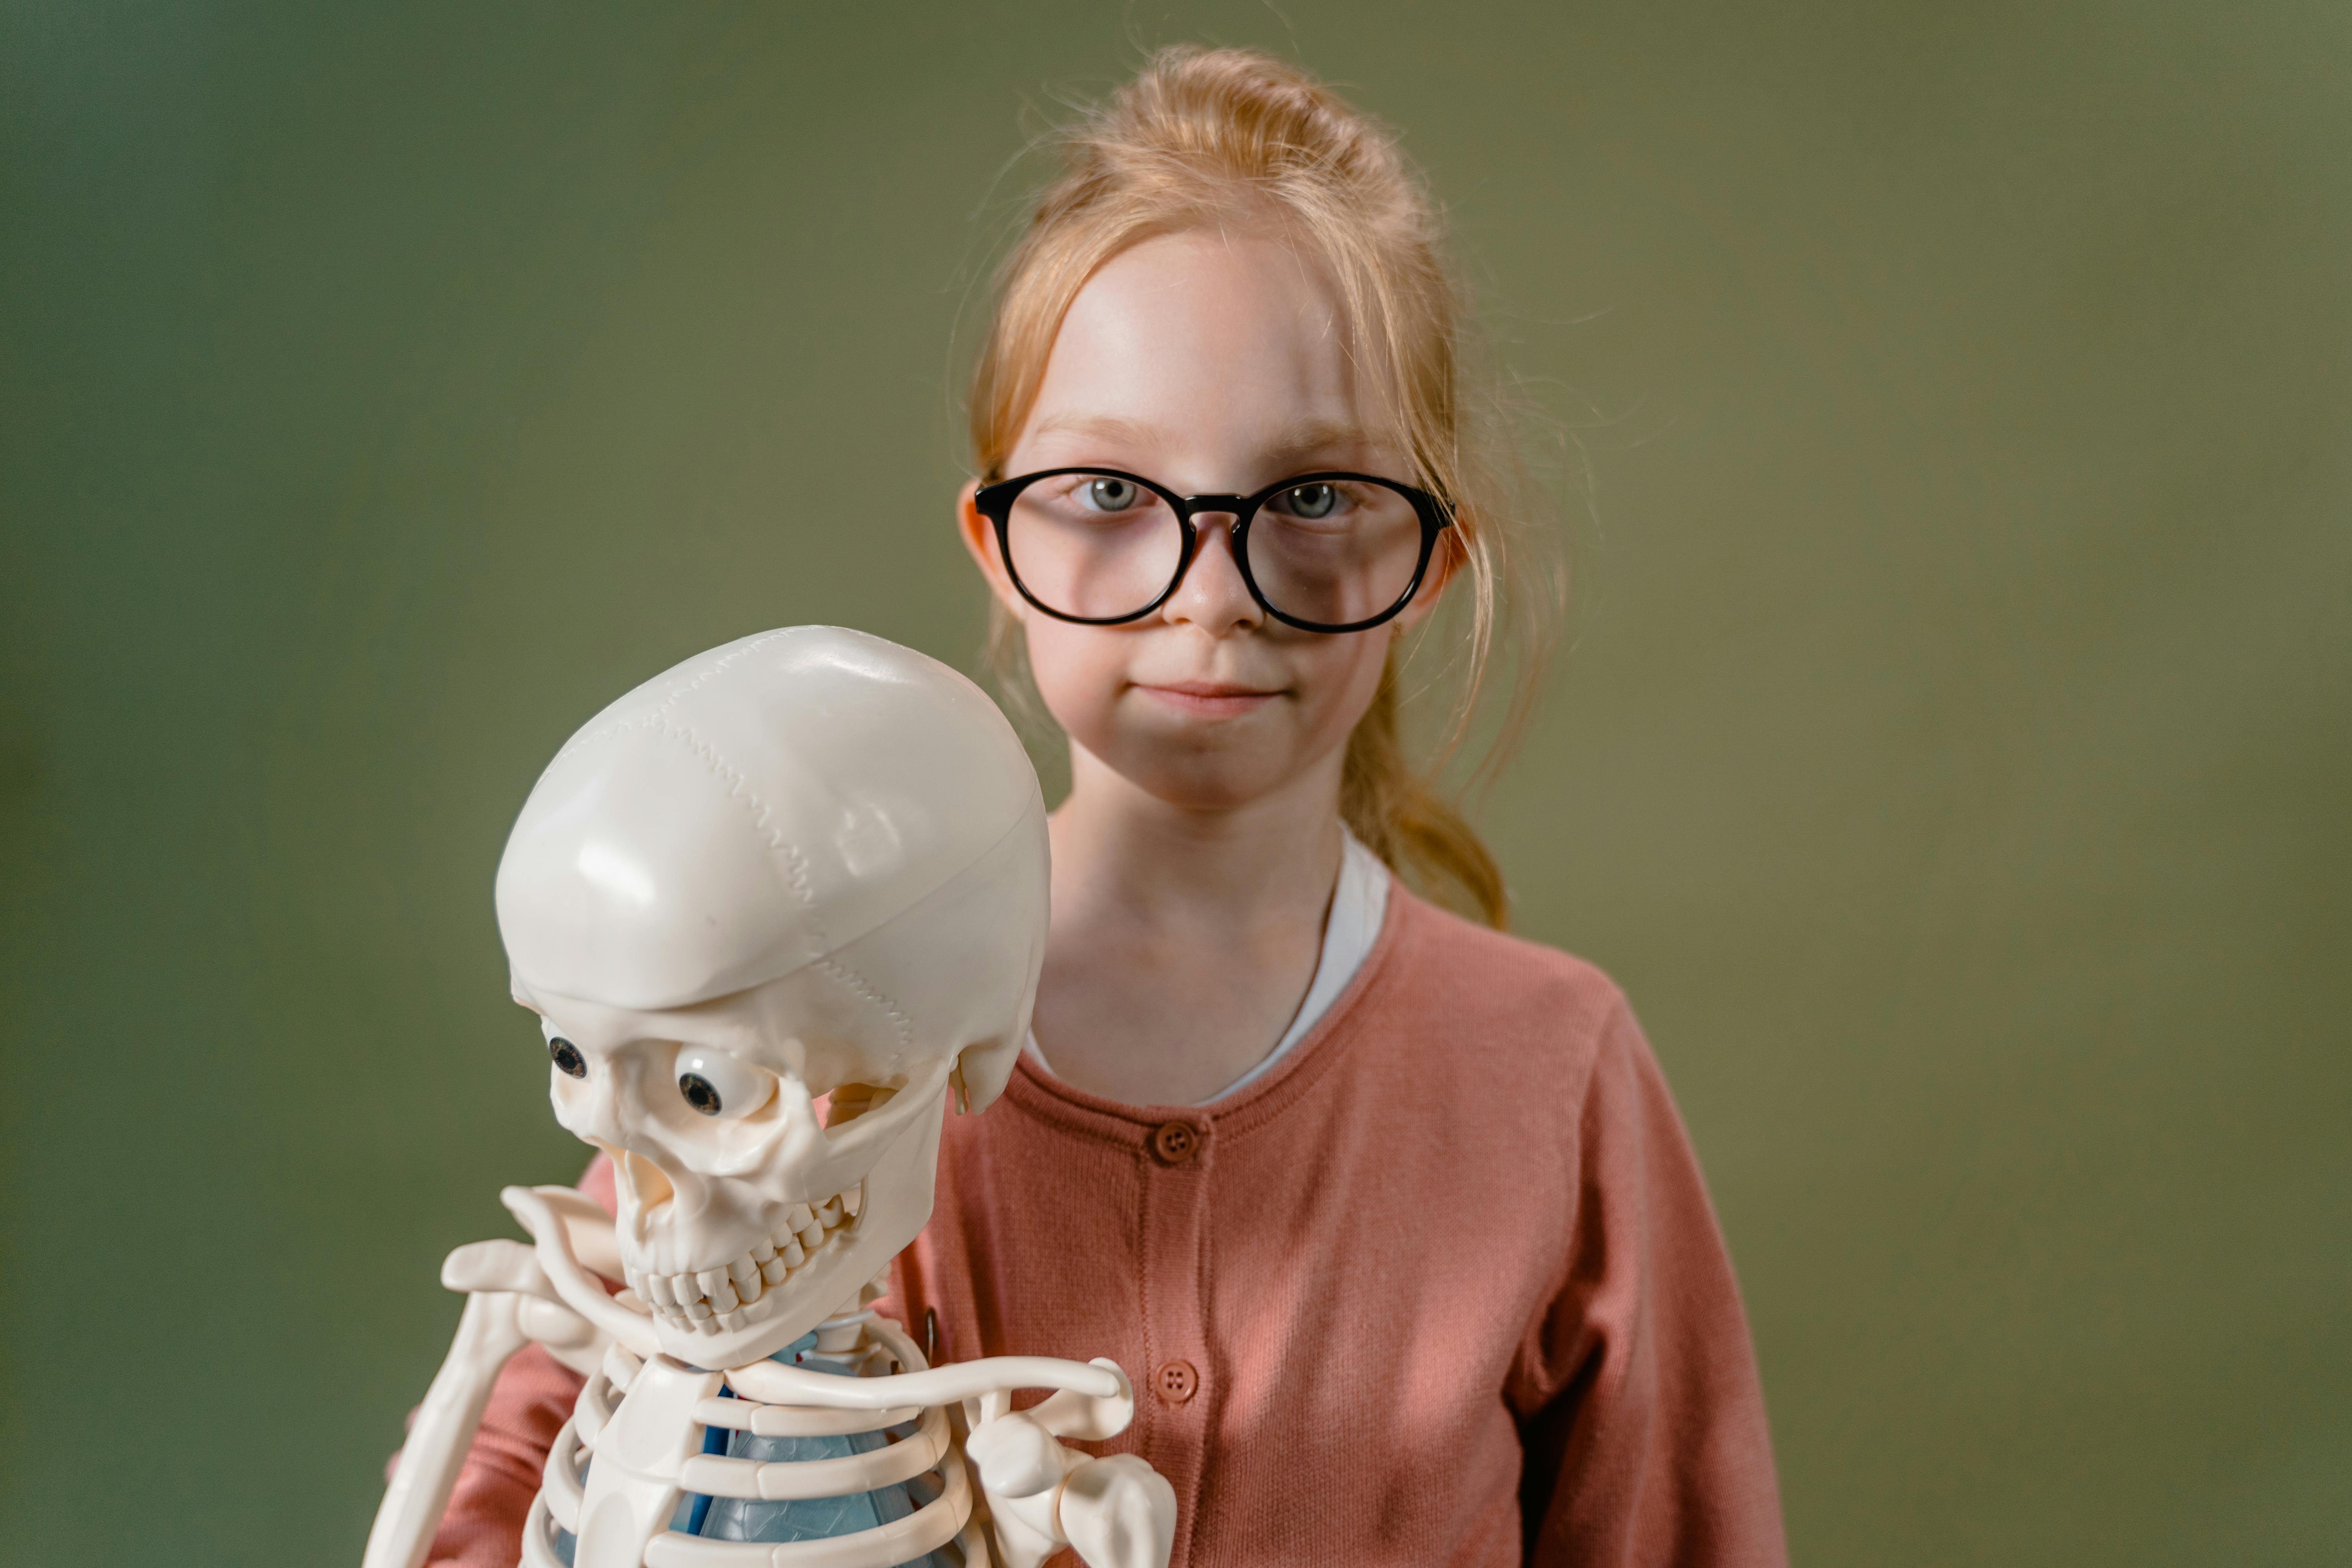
783	1286
727	1298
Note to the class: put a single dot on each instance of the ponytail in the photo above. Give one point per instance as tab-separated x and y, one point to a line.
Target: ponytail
1390	806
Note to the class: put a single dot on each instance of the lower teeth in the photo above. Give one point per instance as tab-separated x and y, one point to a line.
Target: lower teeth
793	1251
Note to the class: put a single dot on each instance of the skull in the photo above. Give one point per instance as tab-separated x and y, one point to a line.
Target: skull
808	866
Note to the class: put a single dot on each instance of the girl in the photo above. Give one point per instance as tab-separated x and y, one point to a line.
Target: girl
1390	1214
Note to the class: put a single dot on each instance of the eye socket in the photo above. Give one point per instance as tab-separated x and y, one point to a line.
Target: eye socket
716	1084
566	1057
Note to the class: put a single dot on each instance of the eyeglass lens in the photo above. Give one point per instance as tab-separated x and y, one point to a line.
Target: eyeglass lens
1101	547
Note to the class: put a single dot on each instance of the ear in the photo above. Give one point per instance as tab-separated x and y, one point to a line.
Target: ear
1446	558
979	536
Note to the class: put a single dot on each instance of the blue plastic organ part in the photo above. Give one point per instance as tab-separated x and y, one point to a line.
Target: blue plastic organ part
799	1519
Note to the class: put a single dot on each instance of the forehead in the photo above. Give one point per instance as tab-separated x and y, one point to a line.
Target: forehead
599	1028
1205	344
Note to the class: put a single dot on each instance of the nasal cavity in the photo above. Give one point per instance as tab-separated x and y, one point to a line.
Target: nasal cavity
642	1182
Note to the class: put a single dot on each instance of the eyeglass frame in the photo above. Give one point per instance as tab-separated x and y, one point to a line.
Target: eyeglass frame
994	501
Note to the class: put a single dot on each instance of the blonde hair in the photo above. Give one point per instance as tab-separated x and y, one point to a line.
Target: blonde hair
1200	138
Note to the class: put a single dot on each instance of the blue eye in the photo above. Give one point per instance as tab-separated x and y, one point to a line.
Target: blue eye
1310	501
1111	495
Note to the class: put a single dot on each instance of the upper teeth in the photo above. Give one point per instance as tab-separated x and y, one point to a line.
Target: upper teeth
708	1301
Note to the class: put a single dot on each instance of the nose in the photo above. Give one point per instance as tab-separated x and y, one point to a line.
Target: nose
656	1184
609	1112
643	1184
1211	594
592	1112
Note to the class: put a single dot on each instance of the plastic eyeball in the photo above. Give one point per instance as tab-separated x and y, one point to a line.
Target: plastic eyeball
567	1057
716	1084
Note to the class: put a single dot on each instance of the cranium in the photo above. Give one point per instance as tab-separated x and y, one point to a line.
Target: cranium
810	863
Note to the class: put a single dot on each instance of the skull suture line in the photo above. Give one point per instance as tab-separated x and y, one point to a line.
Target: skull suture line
808	863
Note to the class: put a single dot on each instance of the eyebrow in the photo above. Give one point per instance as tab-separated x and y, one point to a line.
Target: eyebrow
1296	439
1096	426
1305	436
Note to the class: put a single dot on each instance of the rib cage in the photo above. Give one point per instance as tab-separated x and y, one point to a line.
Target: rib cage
929	1459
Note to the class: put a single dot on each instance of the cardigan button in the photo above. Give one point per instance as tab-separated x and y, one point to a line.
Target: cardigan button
1176	1382
1175	1143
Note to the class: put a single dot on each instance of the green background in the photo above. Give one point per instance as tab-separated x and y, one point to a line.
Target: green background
1952	758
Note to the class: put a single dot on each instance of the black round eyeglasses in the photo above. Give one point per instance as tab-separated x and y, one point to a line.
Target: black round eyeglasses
1321	552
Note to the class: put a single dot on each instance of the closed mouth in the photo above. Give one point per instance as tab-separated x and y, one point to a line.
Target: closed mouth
735	1294
1209	696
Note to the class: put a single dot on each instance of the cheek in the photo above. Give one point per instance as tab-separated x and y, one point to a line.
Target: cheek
1078	671
1347	675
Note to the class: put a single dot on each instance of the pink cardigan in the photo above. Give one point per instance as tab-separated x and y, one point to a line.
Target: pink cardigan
1444	1287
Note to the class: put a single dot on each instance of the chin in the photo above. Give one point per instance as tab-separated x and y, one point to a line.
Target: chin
1218	779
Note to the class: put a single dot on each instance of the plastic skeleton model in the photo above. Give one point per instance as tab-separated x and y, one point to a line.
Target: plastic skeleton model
808	864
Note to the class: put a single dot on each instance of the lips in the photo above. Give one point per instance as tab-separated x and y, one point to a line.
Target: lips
1213	698
740	1291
